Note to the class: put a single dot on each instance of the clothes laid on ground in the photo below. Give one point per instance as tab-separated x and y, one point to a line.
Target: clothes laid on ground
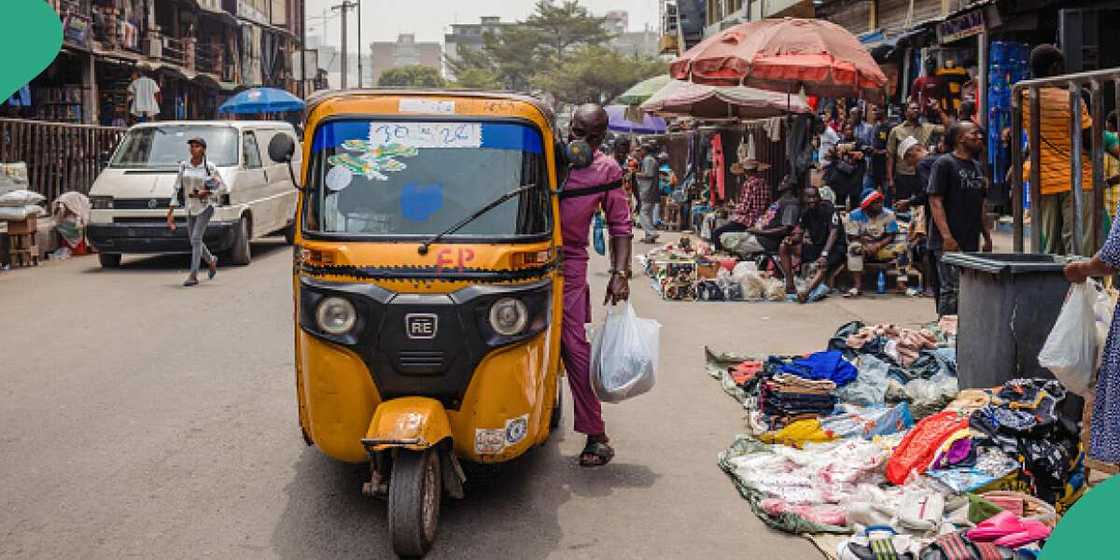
828	365
960	184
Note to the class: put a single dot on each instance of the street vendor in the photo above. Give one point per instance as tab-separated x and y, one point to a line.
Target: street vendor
771	228
872	236
602	181
819	240
754	197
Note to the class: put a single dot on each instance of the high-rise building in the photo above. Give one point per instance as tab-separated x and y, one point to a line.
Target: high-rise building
617	21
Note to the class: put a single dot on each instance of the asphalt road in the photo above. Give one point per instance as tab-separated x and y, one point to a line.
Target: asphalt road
144	420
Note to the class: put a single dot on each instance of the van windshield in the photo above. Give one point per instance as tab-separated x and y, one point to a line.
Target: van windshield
409	178
166	146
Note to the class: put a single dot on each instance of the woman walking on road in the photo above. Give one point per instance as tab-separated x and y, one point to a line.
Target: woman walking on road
195	187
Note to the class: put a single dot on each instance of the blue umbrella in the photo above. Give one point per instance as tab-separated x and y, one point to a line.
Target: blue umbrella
262	100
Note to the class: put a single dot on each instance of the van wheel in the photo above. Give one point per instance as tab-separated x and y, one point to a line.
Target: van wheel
240	253
290	233
415	491
109	260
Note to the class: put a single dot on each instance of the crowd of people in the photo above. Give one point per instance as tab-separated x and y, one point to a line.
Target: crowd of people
886	198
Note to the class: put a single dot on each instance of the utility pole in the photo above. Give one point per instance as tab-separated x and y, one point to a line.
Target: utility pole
303	47
345	7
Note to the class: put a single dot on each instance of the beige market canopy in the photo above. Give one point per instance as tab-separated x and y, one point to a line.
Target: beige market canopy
713	102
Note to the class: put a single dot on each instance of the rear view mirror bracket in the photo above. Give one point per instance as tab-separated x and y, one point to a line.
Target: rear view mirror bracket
281	149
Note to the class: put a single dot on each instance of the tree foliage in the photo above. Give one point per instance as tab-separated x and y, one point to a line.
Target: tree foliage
561	50
416	75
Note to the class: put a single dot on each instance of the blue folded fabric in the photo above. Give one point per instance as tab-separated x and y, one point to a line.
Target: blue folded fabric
829	365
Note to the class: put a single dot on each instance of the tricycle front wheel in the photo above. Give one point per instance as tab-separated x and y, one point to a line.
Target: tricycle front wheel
415	490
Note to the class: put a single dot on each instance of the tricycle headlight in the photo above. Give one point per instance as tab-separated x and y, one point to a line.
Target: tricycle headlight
336	316
101	202
509	316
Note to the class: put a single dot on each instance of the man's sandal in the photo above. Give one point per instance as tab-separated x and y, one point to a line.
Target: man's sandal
595	454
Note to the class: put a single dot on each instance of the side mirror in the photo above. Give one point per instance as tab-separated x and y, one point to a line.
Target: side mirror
281	149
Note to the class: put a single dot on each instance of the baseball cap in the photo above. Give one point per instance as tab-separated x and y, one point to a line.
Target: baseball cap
199	141
905	145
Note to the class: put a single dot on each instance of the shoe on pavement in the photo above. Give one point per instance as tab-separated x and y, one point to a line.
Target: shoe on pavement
213	268
192	281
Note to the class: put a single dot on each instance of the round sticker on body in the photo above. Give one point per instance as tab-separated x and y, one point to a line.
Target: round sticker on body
339	178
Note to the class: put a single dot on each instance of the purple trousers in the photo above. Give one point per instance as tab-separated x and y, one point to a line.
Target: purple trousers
575	350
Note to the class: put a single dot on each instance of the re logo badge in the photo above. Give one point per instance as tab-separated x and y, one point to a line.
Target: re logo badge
421	325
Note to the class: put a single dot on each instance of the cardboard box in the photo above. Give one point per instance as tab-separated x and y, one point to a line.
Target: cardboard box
707	270
27	225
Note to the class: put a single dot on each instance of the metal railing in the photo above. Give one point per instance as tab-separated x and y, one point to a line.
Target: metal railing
174	51
208	59
59	157
1075	84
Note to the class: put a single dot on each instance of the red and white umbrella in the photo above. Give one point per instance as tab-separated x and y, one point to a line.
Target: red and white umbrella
785	55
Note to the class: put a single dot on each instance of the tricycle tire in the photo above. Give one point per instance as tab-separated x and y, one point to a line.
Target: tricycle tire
109	260
415	491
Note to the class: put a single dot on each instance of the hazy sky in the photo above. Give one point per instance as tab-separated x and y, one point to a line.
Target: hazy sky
382	20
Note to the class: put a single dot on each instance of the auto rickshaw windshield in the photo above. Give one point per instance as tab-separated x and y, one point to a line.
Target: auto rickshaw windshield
409	178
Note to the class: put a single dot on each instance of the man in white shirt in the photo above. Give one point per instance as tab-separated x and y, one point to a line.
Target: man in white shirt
143	98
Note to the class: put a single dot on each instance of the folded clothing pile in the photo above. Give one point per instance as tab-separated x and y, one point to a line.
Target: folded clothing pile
906	343
1022	421
793	398
829	365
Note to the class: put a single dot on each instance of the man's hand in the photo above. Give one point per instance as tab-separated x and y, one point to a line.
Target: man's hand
171	222
951	245
1075	272
618	289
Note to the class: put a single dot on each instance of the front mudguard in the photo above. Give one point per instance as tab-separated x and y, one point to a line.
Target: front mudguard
414	423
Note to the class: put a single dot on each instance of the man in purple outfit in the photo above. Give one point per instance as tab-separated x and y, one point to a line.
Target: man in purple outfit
588	188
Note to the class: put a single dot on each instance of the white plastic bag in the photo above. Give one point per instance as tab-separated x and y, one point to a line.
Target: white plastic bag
624	354
1070	352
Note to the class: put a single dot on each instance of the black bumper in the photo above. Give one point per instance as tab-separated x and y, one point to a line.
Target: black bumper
155	237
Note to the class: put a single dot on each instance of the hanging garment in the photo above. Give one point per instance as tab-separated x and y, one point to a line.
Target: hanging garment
718	176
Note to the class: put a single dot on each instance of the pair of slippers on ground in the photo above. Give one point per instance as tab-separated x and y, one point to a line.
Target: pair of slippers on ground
883	543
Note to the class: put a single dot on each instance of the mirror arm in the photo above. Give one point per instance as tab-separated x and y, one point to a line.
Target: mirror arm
292	173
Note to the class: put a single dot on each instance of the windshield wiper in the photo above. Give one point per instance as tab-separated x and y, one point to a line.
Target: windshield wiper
423	249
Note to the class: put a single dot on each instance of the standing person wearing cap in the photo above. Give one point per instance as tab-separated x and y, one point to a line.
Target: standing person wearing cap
754	198
872	232
197	185
902	178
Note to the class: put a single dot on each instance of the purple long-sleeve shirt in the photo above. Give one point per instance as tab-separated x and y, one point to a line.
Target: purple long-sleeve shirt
577	212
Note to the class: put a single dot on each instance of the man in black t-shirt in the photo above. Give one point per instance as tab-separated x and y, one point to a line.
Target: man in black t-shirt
818	240
876	177
956	198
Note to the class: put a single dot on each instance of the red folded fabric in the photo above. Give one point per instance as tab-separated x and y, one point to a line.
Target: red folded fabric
919	446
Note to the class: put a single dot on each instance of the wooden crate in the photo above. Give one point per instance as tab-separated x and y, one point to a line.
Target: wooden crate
24	249
27	225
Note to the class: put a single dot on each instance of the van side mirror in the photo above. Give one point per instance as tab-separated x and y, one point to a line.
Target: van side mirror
281	149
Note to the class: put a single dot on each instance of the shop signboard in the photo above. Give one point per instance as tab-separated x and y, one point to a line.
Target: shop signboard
960	27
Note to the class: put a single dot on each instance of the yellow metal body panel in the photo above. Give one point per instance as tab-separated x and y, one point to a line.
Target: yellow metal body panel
337	397
409	419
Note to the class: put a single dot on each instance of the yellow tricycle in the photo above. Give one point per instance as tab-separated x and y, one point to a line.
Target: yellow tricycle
427	289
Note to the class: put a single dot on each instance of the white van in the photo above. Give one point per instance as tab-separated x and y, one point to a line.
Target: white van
130	197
